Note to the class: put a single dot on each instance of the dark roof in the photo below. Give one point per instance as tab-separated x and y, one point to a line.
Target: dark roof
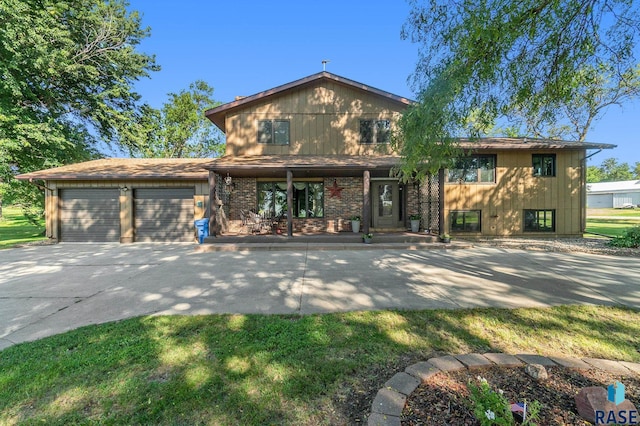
528	144
127	168
217	114
309	165
265	165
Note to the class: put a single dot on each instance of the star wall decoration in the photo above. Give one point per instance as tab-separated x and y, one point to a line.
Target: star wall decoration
336	191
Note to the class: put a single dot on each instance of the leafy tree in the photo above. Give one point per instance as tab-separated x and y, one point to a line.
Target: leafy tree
66	76
523	62
180	128
518	62
611	171
636	170
597	89
614	171
594	174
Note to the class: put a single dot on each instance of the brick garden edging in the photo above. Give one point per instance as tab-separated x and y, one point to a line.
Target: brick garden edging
388	404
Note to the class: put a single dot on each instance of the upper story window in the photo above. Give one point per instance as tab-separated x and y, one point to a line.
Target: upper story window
375	131
544	164
475	168
275	132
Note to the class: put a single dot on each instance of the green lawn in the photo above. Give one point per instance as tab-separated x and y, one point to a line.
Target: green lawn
16	229
632	213
258	370
610	227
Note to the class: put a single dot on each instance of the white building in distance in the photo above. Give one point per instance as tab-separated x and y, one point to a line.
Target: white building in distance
613	194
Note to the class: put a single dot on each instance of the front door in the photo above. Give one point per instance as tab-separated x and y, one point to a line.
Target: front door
386	204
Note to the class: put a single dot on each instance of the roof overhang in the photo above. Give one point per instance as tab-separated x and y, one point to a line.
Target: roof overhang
304	165
126	168
499	143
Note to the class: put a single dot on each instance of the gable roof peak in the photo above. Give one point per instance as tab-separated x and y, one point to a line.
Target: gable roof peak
217	114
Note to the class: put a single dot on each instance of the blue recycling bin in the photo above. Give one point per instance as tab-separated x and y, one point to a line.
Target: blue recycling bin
202	228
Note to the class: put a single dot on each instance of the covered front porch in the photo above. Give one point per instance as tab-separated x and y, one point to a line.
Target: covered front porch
314	195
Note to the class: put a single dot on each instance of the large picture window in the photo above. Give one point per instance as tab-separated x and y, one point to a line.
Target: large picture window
465	221
275	132
308	199
539	220
544	164
375	131
476	168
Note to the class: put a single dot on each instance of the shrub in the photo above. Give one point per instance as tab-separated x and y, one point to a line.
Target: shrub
492	408
630	239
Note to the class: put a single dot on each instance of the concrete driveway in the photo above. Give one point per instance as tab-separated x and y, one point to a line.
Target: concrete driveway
51	289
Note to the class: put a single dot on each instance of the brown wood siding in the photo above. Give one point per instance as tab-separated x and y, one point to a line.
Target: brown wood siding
324	120
503	203
89	215
164	214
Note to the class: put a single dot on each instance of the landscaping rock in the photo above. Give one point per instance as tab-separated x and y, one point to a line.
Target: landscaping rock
607	365
537	371
402	383
472	361
503	360
422	370
536	359
389	402
446	363
594	398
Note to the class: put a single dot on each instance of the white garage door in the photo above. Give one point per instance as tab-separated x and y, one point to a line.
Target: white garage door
599	201
89	215
164	214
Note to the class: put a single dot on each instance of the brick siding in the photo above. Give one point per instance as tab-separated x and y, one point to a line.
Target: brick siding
337	210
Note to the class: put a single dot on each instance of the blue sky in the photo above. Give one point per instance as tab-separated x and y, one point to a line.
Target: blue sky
245	47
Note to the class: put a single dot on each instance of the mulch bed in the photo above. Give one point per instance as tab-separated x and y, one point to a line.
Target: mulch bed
444	398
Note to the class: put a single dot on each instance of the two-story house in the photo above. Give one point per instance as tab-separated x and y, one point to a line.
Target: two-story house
308	155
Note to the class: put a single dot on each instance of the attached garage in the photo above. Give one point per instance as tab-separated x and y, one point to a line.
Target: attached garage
164	214
89	215
124	199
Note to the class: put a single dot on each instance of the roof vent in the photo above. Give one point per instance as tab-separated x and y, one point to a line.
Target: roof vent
239	98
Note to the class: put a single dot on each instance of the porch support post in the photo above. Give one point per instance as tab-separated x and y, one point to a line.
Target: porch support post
441	221
366	201
212	204
289	203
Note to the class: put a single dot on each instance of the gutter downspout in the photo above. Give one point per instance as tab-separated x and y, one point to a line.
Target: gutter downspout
583	191
31	180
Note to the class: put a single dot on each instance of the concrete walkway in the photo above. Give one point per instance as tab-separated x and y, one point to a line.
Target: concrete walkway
47	290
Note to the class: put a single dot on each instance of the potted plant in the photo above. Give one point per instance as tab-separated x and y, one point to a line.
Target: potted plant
367	238
445	238
355	224
415	222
